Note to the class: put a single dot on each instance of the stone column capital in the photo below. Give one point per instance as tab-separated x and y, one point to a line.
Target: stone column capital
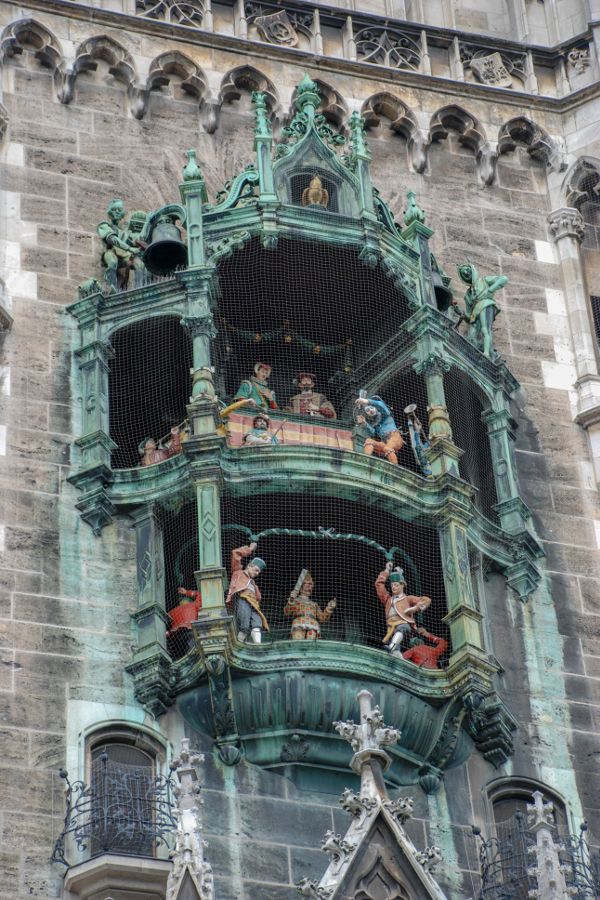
566	222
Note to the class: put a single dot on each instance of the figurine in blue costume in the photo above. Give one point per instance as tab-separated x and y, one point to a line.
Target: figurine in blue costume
383	437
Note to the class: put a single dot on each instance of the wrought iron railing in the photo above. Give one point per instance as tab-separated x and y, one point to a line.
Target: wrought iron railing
125	809
508	863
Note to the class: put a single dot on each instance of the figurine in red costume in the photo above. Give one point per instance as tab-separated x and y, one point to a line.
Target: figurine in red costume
400	608
245	594
424	655
153	452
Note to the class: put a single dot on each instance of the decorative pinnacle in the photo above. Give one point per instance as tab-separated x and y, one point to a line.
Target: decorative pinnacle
371	734
307	95
413	212
262	126
192	170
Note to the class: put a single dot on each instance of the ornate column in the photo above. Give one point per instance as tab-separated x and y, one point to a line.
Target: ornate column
263	143
193	194
463	617
547	868
151	663
362	157
567	228
443	453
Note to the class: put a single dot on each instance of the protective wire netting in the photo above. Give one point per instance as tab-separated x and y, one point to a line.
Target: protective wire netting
302	309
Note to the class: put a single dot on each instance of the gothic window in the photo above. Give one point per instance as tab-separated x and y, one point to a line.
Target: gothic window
595	303
583	192
122	775
149	384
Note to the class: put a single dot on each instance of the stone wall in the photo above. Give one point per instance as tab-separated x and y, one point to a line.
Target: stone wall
66	596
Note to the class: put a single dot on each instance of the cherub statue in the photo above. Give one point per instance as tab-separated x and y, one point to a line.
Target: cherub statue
306	612
480	306
122	247
400	608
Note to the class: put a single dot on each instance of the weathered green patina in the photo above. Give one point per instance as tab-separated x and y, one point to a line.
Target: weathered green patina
237	693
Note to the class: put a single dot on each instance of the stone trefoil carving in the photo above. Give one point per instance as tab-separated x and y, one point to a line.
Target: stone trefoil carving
188	856
387	47
178	12
376	850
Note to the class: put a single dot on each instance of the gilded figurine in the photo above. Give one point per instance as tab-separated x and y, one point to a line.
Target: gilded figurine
306	612
244	594
309	402
122	253
259	435
152	451
427	655
481	307
400	608
315	194
383	436
256	388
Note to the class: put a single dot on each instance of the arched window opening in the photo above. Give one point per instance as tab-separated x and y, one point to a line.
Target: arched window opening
149	385
343	565
465	408
303	307
128	799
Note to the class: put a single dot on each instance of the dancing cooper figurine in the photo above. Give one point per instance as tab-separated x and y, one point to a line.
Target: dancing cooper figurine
244	593
400	608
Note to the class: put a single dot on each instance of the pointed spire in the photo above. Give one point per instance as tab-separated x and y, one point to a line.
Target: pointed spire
192	171
356	124
413	212
262	125
367	740
190	872
307	96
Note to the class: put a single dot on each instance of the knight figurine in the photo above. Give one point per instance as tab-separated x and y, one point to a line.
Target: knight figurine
400	608
309	402
307	614
244	594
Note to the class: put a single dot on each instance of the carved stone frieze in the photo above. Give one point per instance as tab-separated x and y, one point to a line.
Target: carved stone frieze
180	12
387	47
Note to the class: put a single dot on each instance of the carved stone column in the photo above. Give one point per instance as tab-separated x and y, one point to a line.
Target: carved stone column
151	663
443	453
463	617
546	868
567	228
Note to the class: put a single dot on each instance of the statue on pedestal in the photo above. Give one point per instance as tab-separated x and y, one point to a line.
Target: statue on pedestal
480	305
400	608
244	593
306	612
122	253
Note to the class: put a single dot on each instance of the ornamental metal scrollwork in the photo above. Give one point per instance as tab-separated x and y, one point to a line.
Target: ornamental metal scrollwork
387	47
179	12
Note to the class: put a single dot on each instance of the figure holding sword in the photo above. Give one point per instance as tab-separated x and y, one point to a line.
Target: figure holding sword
306	612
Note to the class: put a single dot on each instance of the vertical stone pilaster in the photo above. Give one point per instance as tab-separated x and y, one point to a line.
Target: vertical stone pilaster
443	453
95	444
210	577
546	868
463	617
193	194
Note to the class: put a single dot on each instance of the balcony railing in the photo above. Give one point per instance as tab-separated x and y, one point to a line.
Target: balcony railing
124	810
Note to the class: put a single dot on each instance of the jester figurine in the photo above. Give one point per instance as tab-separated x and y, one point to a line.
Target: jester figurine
256	388
383	436
423	654
306	612
244	594
400	608
480	306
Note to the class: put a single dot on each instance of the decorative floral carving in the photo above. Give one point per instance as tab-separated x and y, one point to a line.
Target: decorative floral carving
337	847
387	47
401	808
429	858
566	222
355	804
578	59
180	12
295	749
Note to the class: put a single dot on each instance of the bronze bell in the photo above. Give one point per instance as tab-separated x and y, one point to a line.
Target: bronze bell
443	294
166	251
